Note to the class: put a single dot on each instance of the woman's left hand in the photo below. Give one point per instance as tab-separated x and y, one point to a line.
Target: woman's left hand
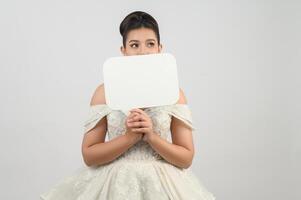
141	122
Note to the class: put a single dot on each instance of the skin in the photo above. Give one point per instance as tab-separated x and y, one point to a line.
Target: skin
138	124
141	41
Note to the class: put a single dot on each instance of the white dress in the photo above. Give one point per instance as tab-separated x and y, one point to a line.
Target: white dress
138	174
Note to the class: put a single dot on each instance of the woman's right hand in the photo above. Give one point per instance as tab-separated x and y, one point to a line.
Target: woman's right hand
137	135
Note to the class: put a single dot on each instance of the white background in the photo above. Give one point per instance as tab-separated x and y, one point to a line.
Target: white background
239	67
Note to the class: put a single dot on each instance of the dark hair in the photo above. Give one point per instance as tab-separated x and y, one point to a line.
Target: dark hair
138	19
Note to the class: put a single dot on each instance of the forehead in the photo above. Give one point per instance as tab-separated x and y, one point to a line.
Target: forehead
141	34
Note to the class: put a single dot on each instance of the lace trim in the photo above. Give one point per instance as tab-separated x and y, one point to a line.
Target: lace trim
97	112
180	111
183	113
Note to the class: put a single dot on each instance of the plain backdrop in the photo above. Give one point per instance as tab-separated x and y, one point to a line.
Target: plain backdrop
239	67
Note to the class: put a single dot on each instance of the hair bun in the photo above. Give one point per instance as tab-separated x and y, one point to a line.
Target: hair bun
138	19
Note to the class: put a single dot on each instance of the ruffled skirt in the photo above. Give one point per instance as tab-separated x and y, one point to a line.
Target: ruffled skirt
130	180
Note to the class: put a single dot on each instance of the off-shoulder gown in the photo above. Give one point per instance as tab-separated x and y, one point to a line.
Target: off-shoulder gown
138	174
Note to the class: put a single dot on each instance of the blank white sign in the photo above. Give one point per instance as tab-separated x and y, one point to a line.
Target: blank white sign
140	81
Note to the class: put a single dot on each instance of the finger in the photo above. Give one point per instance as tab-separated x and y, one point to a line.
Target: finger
138	111
143	114
134	118
139	129
138	124
132	115
137	118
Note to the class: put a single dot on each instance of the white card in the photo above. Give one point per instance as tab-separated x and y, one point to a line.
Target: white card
140	81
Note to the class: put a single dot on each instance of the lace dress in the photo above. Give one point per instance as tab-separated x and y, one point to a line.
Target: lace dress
138	174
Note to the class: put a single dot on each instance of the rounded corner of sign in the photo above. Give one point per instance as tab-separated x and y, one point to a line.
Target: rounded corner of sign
106	62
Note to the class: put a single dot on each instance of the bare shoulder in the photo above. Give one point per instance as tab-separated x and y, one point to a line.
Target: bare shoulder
182	97
98	95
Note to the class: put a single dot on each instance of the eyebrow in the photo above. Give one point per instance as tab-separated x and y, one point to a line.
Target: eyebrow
139	41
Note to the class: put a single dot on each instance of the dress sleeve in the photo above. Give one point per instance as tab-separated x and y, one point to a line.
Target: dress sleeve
96	113
183	113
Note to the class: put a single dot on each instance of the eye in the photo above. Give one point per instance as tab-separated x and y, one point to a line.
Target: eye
151	44
134	45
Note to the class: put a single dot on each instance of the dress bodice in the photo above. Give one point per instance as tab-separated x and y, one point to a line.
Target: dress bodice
161	118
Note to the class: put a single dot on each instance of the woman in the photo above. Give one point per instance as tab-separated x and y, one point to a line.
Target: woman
137	162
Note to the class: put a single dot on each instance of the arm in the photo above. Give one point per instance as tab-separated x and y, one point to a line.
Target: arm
181	151
178	155
95	150
104	152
